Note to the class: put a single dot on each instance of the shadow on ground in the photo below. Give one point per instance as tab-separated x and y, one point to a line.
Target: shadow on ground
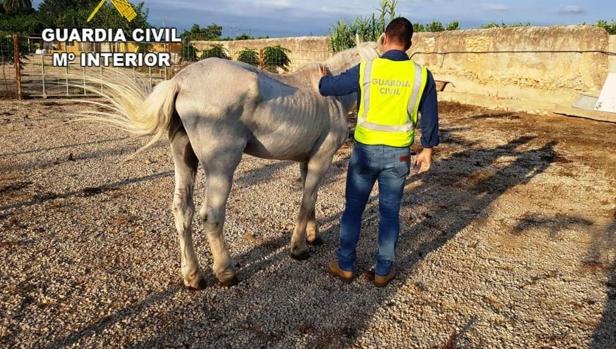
605	333
296	304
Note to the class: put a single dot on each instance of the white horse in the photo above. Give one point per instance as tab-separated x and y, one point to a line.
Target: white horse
213	111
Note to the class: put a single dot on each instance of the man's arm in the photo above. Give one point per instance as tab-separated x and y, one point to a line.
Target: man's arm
341	85
428	108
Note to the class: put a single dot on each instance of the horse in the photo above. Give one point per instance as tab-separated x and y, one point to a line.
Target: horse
214	111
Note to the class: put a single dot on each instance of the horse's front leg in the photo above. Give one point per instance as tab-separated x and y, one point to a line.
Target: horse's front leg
312	229
315	170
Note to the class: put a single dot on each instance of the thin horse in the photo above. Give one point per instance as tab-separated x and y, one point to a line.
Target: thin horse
213	112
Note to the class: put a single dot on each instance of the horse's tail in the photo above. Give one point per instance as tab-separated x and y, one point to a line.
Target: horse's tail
131	104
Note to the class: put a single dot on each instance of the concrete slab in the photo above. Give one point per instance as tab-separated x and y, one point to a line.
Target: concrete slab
587	114
607	98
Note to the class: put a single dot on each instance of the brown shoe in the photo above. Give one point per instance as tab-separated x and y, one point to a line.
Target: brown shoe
334	269
381	281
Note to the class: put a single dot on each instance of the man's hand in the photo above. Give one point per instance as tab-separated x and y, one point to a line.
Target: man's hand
423	161
324	71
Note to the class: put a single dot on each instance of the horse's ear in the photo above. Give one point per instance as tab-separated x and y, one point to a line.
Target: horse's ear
379	43
357	39
367	52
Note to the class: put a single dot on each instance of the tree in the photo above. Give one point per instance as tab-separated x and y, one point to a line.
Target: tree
189	53
17	6
209	33
244	36
24	23
249	56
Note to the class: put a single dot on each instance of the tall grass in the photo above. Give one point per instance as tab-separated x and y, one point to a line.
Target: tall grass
342	34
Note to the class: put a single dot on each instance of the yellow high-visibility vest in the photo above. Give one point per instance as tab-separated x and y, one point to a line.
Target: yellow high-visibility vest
390	95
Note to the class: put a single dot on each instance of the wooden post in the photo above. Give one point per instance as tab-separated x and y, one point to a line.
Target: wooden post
17	59
168	49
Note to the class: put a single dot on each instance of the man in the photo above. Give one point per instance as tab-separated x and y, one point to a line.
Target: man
392	91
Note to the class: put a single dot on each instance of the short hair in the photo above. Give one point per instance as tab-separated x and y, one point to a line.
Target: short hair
401	30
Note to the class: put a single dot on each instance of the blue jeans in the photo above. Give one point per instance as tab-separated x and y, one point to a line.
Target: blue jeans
370	163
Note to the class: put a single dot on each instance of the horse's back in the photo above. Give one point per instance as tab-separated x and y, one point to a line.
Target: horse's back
216	88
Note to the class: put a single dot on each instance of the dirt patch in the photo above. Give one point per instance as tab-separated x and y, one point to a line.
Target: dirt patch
510	241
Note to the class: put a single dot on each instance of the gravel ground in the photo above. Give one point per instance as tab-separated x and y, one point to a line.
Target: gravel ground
510	242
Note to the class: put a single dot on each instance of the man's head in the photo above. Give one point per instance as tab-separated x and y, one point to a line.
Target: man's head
398	35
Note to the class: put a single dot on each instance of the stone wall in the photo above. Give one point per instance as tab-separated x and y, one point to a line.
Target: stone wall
534	69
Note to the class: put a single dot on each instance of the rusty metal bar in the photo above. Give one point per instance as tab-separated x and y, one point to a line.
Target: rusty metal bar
16	57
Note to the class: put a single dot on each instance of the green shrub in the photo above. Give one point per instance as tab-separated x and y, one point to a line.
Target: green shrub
505	25
215	51
189	53
436	26
342	35
609	26
275	57
249	56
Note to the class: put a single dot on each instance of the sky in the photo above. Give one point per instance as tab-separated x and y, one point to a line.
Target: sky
315	17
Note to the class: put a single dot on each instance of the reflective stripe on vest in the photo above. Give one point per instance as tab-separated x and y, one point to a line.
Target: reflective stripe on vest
411	107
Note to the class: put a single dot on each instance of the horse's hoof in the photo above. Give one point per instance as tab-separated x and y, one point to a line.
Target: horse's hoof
230	282
201	285
301	256
316	242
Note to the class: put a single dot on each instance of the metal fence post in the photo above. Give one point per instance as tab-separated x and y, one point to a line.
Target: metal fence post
4	80
16	57
150	74
67	67
43	73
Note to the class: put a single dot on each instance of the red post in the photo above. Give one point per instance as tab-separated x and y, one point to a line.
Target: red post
17	59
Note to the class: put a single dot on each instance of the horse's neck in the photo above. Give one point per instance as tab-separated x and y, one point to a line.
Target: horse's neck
307	77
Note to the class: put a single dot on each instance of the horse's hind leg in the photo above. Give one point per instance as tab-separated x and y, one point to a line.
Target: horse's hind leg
186	164
220	164
316	168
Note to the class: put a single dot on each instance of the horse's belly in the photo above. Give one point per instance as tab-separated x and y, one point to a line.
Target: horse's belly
280	148
286	128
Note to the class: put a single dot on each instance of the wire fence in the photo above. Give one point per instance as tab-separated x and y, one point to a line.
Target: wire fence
28	71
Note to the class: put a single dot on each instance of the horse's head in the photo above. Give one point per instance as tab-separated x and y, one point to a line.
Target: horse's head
347	59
